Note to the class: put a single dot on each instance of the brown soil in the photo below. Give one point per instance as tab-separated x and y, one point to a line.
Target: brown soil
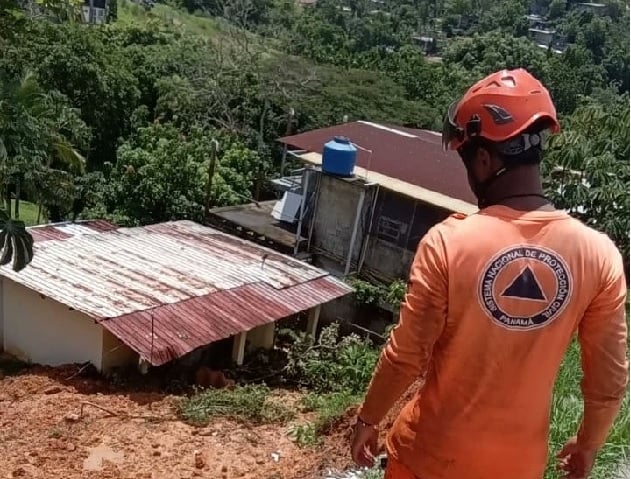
339	436
47	430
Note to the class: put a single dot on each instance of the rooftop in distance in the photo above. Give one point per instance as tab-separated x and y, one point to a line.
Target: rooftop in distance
407	160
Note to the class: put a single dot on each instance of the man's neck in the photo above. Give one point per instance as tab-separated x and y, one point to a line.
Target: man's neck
519	189
524	203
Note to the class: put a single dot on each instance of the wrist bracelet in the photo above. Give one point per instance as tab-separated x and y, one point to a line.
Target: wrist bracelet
361	422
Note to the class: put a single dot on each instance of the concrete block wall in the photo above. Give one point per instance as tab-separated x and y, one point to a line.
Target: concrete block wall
335	215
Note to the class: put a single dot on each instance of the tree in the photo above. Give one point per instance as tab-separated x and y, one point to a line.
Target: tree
36	132
486	53
570	76
162	172
557	9
587	167
88	67
23	133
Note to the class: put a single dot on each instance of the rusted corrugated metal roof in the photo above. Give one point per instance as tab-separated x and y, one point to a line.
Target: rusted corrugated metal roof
182	327
407	154
67	230
200	285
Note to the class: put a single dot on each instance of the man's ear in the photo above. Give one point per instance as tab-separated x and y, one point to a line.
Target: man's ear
484	159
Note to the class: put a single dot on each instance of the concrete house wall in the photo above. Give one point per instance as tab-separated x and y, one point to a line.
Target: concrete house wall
43	331
388	232
336	209
398	224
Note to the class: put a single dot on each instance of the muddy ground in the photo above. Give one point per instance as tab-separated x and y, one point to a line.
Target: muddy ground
55	427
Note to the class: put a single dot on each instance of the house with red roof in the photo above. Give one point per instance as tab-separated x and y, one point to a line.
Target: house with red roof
368	223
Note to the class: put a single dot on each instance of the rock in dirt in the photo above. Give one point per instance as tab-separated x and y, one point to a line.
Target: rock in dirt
70	447
19	472
52	390
98	455
72	417
199	460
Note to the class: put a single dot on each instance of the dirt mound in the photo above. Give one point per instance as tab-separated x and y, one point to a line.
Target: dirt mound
335	452
54	423
64	422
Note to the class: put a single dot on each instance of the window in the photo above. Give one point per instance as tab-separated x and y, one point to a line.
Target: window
391	230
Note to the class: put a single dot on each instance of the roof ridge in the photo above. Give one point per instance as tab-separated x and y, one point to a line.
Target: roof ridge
387	128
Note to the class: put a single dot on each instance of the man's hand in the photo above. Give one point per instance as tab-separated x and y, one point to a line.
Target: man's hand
575	460
364	444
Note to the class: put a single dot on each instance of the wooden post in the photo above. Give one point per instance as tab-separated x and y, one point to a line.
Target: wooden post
312	321
290	119
238	348
214	146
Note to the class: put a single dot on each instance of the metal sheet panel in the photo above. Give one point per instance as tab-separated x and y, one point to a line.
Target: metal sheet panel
182	272
182	327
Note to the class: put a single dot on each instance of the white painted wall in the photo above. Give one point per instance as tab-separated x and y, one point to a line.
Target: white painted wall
46	332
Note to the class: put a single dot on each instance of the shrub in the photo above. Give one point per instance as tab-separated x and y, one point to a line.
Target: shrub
305	435
331	365
244	403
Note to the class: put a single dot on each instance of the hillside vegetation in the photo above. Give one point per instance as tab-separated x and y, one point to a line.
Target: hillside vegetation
117	121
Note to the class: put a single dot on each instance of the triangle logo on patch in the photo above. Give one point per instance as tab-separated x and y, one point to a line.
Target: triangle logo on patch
525	286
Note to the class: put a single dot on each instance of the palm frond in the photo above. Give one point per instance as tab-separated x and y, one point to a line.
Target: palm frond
16	243
69	156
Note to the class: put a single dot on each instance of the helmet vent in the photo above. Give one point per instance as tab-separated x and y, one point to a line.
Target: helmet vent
509	81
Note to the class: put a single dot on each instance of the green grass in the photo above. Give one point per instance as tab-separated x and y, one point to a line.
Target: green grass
328	408
566	413
130	13
243	403
28	213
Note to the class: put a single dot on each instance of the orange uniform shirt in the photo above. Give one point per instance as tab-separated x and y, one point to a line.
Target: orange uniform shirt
493	303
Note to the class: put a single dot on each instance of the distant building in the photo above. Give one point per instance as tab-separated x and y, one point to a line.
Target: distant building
542	37
428	44
370	223
95	11
551	49
537	22
599	8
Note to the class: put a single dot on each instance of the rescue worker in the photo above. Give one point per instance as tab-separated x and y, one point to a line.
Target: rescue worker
493	302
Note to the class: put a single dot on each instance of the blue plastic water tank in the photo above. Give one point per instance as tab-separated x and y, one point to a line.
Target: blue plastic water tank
339	157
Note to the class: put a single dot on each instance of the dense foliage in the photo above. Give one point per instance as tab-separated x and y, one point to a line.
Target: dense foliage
117	120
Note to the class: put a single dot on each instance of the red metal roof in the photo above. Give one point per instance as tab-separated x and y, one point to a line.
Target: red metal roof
182	327
200	285
407	154
58	231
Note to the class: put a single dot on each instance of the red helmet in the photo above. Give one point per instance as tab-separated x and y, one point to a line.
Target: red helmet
498	108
